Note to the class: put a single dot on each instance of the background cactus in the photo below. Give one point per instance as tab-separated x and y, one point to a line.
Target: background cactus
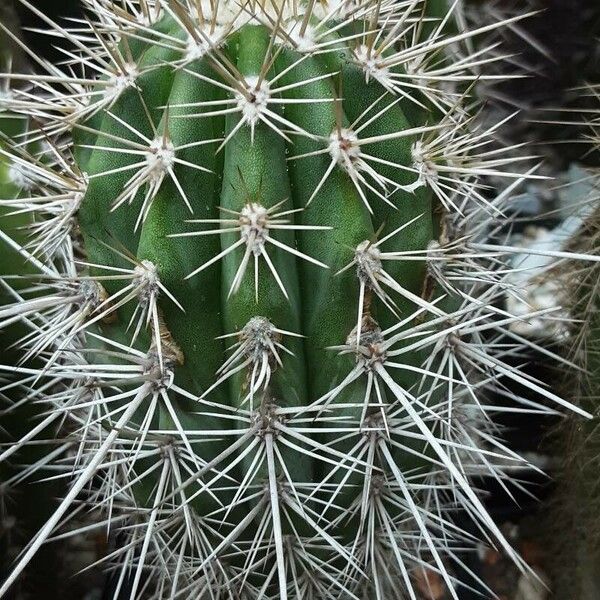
575	504
578	500
267	297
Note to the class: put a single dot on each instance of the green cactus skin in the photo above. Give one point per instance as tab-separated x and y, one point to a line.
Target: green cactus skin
266	306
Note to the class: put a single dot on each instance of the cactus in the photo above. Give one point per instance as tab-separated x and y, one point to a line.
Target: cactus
23	507
579	502
576	501
265	298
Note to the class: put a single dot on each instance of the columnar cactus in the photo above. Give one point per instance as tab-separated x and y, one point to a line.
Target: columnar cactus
578	498
576	502
267	309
